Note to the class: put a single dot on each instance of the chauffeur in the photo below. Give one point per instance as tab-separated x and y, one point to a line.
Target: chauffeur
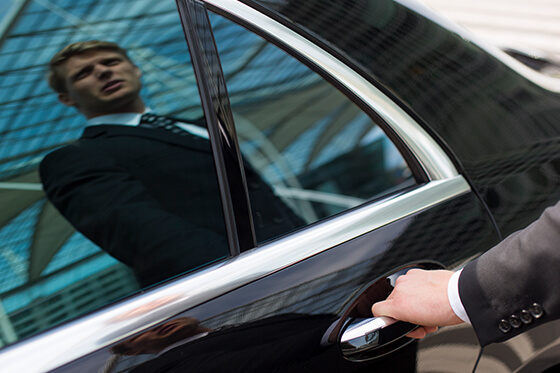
510	289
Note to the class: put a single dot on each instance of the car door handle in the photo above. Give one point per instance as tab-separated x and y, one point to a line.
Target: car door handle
362	337
374	337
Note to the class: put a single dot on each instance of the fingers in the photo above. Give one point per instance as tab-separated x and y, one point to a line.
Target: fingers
430	329
420	297
422	331
387	308
417	333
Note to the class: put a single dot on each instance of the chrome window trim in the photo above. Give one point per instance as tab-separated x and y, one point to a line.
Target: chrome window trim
71	341
429	154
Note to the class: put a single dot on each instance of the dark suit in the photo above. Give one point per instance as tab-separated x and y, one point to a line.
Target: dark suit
515	285
149	198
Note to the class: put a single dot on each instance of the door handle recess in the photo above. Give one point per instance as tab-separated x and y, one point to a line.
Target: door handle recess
366	339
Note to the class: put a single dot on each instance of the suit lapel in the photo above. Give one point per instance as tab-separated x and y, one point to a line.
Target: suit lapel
100	131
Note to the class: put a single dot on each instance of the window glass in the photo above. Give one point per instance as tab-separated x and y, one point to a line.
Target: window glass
93	212
318	151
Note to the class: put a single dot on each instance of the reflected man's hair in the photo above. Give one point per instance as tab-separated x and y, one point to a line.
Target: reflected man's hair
56	77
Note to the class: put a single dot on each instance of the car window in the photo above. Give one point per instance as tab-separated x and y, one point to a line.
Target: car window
317	149
90	216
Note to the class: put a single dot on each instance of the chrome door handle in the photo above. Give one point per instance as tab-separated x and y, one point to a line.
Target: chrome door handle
374	337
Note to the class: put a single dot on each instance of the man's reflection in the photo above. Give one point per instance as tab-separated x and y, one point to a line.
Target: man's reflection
141	187
275	343
281	343
163	337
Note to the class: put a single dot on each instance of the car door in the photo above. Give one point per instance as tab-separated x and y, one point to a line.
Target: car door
285	133
374	195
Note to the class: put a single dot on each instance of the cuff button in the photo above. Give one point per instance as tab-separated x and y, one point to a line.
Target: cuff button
536	310
515	321
526	317
504	326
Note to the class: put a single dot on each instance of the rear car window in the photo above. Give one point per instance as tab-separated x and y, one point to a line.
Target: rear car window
316	148
110	214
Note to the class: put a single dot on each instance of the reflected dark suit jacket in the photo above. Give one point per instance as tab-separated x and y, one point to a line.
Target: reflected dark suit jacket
282	343
508	280
271	344
150	198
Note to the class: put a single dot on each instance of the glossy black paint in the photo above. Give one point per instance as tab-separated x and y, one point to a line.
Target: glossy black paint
278	322
502	128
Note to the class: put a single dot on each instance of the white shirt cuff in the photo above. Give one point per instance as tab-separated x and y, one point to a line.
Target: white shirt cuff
455	299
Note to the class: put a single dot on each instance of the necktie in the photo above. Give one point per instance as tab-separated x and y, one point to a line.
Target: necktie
157	121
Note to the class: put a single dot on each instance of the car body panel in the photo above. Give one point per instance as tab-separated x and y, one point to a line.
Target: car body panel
157	305
479	159
321	290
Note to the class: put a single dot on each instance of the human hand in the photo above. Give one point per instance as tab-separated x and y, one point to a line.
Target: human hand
420	297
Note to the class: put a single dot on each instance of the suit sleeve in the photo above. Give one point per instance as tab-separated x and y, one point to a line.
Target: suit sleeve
114	210
515	286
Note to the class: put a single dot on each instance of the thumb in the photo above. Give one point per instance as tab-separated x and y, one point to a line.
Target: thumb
383	308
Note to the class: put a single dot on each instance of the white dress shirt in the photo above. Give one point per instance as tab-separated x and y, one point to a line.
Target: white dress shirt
455	299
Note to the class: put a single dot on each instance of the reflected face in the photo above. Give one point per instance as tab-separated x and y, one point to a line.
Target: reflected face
102	82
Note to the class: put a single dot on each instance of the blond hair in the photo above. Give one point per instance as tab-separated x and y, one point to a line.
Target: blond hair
56	76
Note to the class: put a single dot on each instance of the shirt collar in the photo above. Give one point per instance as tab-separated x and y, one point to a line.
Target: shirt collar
133	119
123	119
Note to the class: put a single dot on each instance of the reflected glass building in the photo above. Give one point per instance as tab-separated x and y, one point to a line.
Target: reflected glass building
49	272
